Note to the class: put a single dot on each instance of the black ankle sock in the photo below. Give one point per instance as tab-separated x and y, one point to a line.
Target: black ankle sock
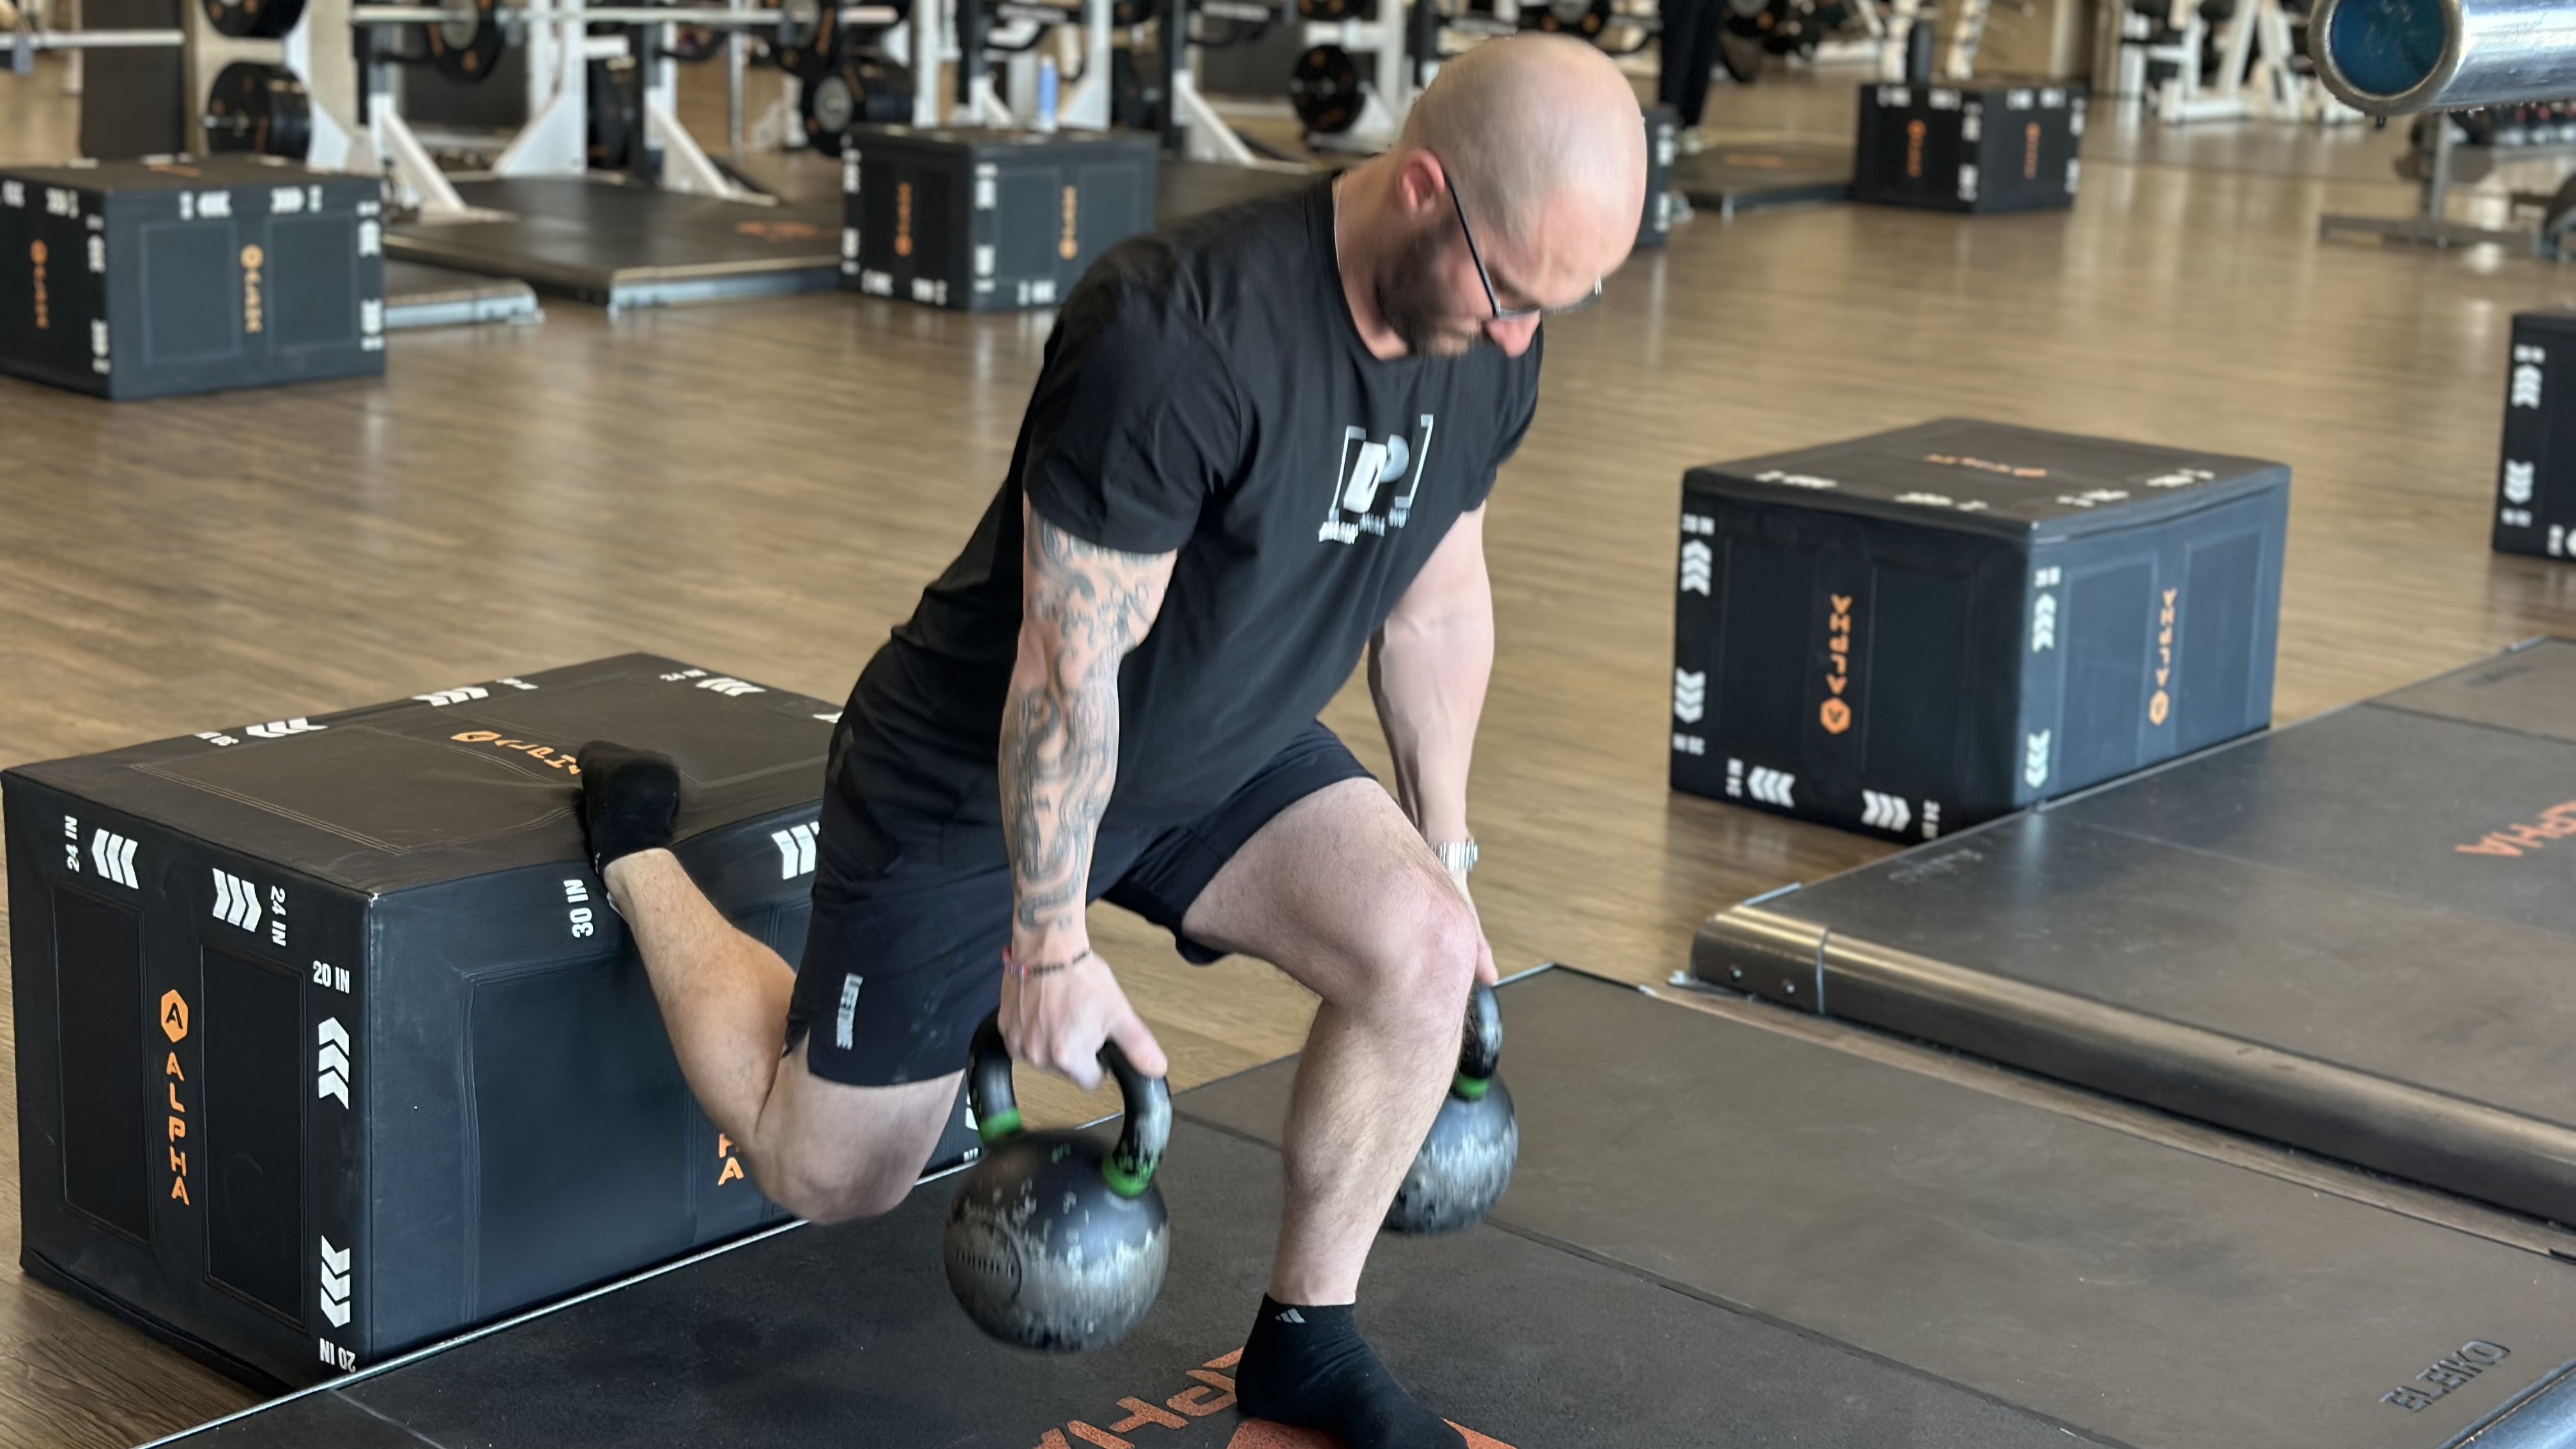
1308	1366
629	799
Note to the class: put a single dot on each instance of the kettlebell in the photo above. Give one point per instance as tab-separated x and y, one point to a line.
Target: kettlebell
1053	1243
1466	1162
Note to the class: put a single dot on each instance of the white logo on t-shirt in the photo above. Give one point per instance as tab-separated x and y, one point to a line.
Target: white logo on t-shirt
1362	501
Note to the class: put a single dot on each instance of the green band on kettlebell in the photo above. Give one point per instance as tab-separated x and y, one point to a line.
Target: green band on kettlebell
1005	1123
1470	1089
1124	1183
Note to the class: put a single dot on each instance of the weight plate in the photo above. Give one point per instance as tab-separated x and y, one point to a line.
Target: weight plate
253	19
1325	90
1741	54
808	43
1787	27
691	44
867	89
1571	17
260	109
828	108
467	49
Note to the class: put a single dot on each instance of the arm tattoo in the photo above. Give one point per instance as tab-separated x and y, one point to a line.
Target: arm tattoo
1083	608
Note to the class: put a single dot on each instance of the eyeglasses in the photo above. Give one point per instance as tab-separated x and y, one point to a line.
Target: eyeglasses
1477	255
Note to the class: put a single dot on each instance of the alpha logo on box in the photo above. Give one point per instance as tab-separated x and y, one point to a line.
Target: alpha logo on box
2160	704
549	754
1836	712
174	1025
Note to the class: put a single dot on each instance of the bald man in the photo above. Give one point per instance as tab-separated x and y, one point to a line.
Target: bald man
1259	445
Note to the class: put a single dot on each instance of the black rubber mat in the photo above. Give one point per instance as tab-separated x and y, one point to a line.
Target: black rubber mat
2353	936
2138	1293
847	1337
1731	177
623	246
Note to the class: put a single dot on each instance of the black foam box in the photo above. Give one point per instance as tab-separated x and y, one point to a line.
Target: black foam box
1913	632
329	1043
1663	135
132	279
2536	477
988	220
1983	146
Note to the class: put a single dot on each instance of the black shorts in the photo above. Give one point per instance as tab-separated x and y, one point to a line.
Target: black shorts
904	957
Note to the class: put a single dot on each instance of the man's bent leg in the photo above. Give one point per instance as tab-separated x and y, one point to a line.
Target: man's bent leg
822	1150
1339	891
724	996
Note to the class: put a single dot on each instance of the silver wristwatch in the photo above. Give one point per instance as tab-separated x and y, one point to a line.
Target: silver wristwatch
1456	856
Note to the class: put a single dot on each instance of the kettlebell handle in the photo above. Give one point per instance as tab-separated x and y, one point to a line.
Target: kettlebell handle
1142	1134
1481	1050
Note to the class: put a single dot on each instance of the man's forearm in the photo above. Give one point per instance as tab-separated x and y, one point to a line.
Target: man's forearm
1059	763
1084	608
1428	681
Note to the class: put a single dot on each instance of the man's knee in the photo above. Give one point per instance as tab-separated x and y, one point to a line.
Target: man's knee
835	1192
1425	951
830	1153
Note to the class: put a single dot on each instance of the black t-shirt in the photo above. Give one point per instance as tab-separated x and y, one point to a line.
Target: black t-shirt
1204	393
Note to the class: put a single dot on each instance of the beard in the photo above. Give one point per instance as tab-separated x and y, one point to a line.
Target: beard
1414	302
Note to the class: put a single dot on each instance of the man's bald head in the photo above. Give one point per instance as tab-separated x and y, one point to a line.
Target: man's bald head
1538	131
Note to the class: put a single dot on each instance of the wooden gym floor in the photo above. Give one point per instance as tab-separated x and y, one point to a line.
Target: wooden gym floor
762	488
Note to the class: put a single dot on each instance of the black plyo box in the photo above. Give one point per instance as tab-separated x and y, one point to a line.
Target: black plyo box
1663	136
134	279
986	220
2536	477
1919	630
329	1042
1987	146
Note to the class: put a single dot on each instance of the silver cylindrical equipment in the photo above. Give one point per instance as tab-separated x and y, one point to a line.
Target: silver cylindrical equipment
2395	57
